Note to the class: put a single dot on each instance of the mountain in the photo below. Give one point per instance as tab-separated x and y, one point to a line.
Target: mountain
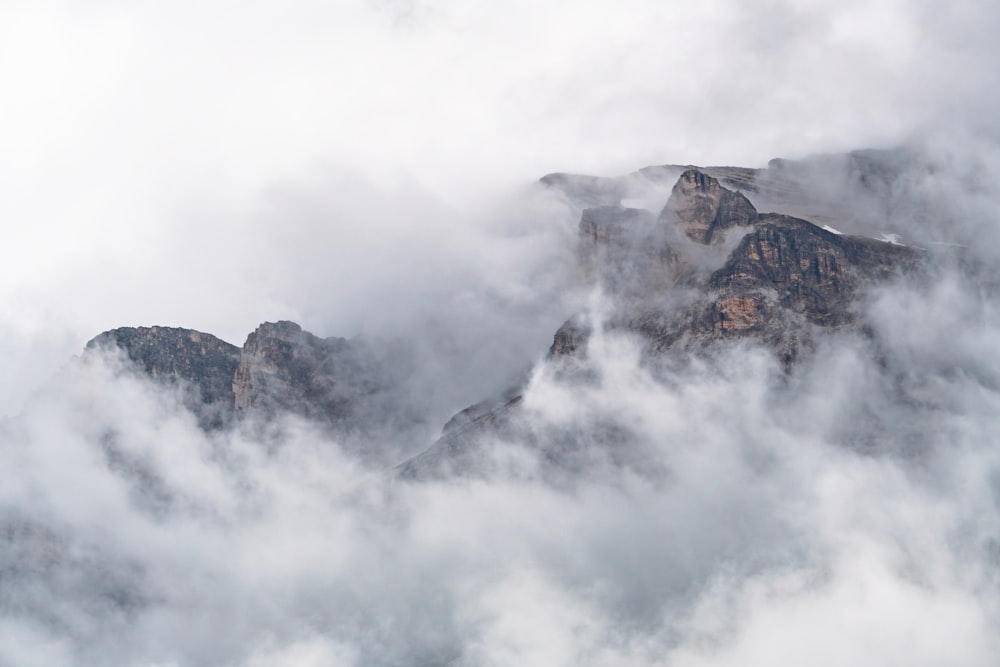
708	269
200	364
705	268
857	190
714	390
349	386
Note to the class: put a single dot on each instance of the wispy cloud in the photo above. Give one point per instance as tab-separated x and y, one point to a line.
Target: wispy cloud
363	167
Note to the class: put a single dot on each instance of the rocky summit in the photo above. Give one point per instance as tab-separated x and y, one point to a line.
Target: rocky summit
703	209
708	269
198	363
702	268
279	369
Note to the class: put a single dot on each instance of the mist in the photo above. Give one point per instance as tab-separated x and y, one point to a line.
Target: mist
368	169
844	513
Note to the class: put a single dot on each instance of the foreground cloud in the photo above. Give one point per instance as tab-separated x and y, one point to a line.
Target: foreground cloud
843	511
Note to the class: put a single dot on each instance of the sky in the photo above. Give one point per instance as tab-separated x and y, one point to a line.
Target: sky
365	167
215	165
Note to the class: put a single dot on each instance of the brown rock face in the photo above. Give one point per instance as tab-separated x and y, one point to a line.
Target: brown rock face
702	208
813	272
737	312
785	280
783	275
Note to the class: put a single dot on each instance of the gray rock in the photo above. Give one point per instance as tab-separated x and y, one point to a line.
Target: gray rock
199	363
708	268
784	281
283	368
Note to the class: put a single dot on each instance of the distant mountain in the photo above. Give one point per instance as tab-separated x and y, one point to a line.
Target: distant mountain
708	269
704	267
200	363
853	189
347	385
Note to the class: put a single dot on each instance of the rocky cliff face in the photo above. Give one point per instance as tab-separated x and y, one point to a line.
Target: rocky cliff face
783	277
703	268
628	251
280	368
702	208
812	271
283	367
201	364
710	268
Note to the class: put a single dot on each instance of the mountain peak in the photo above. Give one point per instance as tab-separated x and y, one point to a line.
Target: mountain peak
200	362
676	281
702	208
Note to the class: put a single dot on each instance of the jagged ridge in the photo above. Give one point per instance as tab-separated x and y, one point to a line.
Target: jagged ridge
784	280
707	268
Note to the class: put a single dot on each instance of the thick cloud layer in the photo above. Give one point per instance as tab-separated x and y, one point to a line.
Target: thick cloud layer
846	513
362	167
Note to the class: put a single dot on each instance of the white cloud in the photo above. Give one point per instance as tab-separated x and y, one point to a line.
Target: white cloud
359	166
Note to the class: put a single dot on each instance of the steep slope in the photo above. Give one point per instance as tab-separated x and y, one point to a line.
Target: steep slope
199	363
701	268
708	269
703	209
283	368
347	385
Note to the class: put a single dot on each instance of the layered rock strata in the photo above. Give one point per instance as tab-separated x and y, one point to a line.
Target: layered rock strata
707	268
280	368
780	282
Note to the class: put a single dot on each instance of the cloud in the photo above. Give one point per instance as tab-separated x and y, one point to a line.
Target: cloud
160	165
847	509
363	167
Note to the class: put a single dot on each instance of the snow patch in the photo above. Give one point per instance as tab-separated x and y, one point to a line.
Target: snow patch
894	239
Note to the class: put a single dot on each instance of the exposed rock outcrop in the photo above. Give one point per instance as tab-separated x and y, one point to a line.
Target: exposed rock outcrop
784	274
194	360
570	339
628	250
702	208
283	367
707	268
782	282
280	368
850	190
814	272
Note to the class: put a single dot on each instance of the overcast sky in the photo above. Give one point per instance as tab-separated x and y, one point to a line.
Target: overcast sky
362	167
216	164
